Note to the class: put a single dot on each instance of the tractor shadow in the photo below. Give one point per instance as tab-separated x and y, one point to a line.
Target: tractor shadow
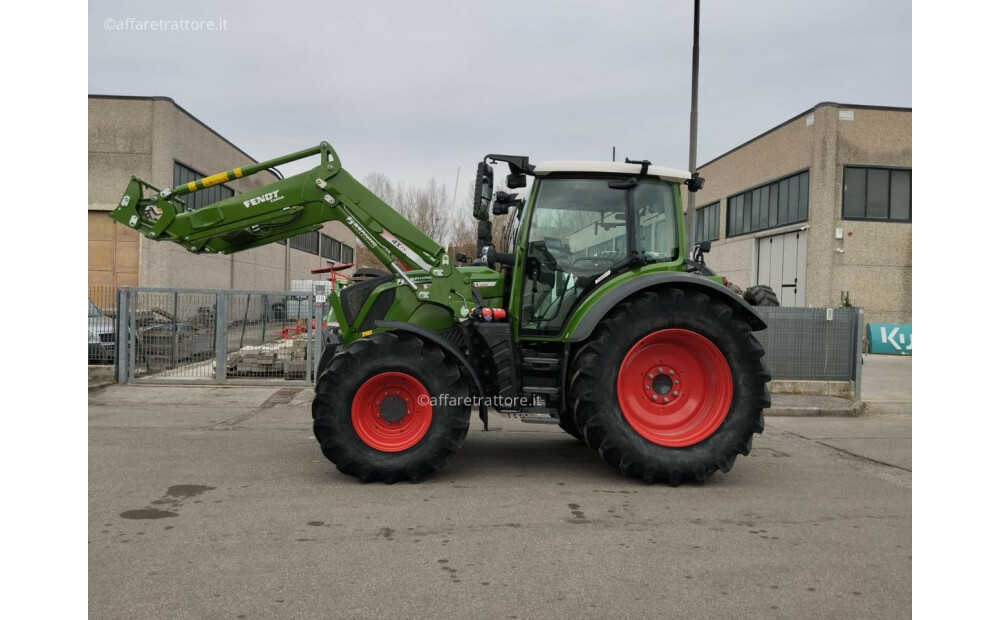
538	455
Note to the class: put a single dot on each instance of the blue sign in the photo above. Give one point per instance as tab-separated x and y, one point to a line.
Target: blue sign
890	338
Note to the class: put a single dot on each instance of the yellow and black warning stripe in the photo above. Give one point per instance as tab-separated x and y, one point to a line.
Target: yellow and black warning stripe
215	179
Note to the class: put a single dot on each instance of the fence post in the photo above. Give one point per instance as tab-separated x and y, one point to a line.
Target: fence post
310	333
174	352
121	335
221	335
130	333
859	349
319	338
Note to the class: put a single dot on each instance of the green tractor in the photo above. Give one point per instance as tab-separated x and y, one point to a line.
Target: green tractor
589	314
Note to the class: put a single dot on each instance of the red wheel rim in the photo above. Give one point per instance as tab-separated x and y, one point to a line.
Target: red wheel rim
675	388
391	412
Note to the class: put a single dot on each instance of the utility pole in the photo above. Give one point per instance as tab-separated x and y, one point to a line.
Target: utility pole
693	149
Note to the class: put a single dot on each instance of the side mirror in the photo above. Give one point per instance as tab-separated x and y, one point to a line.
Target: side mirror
504	201
705	247
516	181
484	191
695	183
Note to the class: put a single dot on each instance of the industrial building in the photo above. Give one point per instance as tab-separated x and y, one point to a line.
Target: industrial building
819	208
157	140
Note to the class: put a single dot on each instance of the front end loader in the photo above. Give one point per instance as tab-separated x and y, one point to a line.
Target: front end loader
586	313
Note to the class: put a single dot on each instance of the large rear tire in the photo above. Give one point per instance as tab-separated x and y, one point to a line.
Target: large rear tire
671	386
391	407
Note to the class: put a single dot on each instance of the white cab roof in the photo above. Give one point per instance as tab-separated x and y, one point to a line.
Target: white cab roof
610	167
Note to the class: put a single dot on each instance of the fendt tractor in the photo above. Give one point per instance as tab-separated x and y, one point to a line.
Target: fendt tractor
590	314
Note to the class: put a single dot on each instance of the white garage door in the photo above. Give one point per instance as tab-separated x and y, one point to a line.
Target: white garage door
781	264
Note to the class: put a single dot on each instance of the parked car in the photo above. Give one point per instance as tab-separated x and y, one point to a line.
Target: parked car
101	337
161	340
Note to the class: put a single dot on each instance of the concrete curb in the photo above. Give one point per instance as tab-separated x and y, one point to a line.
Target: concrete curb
850	409
99	377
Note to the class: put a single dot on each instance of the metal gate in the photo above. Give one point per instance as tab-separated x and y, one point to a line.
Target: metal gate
185	336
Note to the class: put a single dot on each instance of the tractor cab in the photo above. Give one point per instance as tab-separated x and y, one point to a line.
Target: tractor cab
582	224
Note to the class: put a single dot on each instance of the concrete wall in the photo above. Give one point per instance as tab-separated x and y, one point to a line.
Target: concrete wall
143	137
875	265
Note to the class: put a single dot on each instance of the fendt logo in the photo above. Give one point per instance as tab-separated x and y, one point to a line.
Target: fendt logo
268	197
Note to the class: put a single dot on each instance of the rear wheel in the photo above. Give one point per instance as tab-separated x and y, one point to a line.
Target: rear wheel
761	295
390	407
671	387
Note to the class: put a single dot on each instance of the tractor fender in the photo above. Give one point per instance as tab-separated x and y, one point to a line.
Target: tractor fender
674	279
450	349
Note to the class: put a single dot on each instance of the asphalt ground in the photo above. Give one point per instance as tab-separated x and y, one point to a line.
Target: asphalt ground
224	507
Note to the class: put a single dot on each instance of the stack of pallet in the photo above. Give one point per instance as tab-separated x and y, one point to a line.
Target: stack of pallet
286	358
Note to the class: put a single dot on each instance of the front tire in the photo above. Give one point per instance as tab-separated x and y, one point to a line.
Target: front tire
390	407
671	386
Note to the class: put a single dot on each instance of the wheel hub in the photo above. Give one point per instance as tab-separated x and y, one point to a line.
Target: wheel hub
391	411
674	387
661	384
392	408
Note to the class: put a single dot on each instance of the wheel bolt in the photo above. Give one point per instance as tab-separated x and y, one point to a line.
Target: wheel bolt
677	381
649	376
655	397
659	369
647	387
676	393
671	372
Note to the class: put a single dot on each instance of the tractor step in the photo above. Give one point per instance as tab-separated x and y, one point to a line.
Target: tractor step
539	389
541	363
534	415
539	420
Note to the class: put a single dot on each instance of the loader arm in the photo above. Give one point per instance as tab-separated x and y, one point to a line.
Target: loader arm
288	207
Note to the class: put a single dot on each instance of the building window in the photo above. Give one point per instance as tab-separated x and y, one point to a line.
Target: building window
329	248
202	197
706	223
307	242
346	254
880	194
782	202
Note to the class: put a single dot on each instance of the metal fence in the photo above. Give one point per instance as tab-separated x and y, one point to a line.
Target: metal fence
204	336
157	335
101	311
823	344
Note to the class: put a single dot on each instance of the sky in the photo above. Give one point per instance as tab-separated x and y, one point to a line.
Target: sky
419	90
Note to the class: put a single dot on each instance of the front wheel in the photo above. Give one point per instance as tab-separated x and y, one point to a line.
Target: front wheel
390	407
670	387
